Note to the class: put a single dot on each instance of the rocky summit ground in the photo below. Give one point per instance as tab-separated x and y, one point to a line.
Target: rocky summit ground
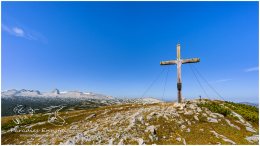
192	122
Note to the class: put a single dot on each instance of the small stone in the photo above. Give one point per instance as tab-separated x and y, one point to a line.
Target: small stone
140	141
70	142
121	142
192	106
178	139
188	130
151	129
199	109
180	112
140	119
212	115
184	141
196	118
151	137
14	129
188	113
110	142
201	130
218	143
166	118
183	126
212	120
180	121
175	114
90	116
74	127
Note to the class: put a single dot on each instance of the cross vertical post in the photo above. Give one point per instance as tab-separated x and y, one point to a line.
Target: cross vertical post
179	84
179	63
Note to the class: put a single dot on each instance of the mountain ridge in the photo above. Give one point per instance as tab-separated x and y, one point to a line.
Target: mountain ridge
54	93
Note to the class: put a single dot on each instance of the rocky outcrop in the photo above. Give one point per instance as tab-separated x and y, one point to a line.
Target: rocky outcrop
232	125
224	138
212	120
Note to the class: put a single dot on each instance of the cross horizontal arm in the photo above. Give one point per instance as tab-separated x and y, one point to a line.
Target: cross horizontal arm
168	62
192	60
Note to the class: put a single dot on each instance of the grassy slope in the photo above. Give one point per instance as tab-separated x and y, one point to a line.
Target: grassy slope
167	130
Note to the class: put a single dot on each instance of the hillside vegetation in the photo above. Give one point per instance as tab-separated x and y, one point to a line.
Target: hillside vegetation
192	122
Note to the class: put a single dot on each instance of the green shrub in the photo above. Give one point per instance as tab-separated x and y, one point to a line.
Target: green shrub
8	126
27	121
216	108
250	113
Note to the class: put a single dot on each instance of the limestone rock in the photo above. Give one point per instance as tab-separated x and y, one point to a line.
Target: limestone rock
140	141
178	139
196	118
192	106
90	116
110	142
252	139
188	112
184	141
250	129
199	109
151	129
212	120
183	127
218	115
222	137
121	142
140	119
232	125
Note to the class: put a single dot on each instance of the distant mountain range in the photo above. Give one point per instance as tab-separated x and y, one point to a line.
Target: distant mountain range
72	100
54	93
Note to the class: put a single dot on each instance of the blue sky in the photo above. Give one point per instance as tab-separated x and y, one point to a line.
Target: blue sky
115	48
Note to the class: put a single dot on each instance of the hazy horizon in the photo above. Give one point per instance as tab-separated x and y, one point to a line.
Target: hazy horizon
160	98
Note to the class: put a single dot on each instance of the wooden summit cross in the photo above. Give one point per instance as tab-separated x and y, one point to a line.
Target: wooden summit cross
179	62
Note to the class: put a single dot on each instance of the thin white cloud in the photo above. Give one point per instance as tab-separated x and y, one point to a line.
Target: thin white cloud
252	69
15	31
24	33
18	31
222	80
